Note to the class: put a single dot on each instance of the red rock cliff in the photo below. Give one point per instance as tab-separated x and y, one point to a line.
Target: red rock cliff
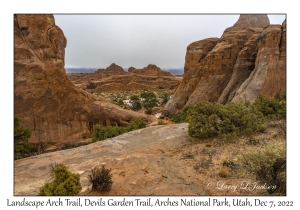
44	99
225	67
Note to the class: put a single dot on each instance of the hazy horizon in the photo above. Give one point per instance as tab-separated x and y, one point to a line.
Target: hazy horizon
96	41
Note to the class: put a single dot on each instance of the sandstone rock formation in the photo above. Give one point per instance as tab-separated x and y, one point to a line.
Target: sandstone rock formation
131	68
114	78
132	82
151	70
269	76
248	59
113	69
44	98
196	51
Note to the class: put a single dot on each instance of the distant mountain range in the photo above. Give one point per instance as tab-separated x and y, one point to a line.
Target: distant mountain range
80	70
174	71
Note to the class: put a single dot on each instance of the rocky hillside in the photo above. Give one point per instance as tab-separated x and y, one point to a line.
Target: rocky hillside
114	78
249	59
150	70
132	82
45	100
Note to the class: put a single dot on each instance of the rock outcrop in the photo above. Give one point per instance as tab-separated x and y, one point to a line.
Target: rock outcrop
113	69
269	76
196	51
249	59
131	68
45	100
151	70
132	82
114	78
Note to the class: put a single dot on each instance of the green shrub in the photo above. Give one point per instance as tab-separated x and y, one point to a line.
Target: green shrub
136	105
21	134
22	148
65	183
136	123
207	119
148	94
103	132
272	108
150	100
148	111
101	179
161	122
165	98
134	97
120	102
179	116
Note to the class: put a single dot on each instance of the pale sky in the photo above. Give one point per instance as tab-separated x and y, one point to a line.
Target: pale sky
96	41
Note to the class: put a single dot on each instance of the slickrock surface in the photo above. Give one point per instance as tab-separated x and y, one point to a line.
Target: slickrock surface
142	163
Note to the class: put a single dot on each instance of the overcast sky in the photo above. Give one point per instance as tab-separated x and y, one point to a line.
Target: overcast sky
138	40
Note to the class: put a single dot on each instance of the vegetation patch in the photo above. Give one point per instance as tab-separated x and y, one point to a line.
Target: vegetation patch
212	119
64	183
137	100
274	108
22	148
268	163
207	119
179	116
103	132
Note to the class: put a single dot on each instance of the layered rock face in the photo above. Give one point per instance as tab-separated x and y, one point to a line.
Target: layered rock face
225	66
151	70
113	69
269	76
132	82
196	51
114	78
46	101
